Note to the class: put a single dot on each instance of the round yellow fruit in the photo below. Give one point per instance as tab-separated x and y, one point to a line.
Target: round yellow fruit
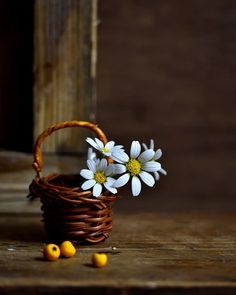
67	249
99	259
51	252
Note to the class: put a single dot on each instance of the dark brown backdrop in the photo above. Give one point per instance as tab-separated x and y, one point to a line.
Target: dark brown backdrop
167	71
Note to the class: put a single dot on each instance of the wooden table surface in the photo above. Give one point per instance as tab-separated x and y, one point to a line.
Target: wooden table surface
156	252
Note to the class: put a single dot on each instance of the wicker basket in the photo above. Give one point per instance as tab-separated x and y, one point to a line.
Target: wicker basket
69	213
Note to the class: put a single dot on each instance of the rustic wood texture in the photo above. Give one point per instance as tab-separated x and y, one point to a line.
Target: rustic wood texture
155	254
64	68
163	247
166	70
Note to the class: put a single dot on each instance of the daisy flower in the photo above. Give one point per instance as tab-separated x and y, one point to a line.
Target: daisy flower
98	175
108	150
157	156
138	165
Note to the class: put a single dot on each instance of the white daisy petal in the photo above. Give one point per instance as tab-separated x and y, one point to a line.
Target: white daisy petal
102	165
136	186
152	144
147	178
88	184
135	149
92	142
119	168
110	170
145	146
118	147
87	174
97	189
91	165
163	171
151	166
109	184
119	156
122	180
110	181
111	189
110	145
158	154
156	175
99	143
146	155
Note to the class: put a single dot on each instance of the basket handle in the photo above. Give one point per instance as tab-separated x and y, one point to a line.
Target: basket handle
37	164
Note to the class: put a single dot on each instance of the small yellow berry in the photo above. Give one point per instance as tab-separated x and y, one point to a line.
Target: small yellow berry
99	259
67	249
51	252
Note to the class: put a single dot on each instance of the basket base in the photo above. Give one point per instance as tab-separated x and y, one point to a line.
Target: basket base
69	213
79	233
58	239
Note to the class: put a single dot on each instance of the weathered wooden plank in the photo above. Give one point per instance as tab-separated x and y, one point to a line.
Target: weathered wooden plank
154	253
64	68
16	173
170	73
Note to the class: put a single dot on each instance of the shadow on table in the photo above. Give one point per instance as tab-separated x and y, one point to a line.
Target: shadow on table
21	228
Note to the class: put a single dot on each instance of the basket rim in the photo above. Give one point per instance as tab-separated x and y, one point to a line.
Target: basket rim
70	194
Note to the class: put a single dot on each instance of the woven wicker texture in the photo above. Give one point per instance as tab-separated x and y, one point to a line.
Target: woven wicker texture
69	213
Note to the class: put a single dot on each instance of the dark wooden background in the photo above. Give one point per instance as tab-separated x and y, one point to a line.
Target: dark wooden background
166	70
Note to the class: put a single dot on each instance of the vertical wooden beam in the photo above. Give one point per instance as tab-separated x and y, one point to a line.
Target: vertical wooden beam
64	69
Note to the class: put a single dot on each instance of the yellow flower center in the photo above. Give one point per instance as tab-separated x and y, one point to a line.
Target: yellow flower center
134	167
99	177
105	150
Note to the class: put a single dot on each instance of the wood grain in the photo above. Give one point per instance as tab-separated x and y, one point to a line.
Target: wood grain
165	245
64	68
155	253
166	70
